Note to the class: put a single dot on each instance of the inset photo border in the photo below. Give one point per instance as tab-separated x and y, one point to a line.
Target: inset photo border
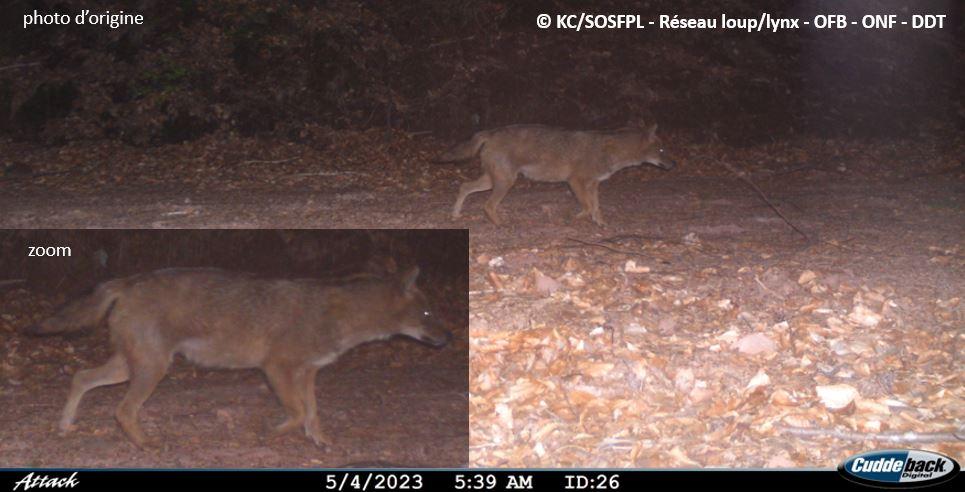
116	346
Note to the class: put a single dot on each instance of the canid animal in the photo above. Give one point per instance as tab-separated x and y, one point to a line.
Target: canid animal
216	318
581	158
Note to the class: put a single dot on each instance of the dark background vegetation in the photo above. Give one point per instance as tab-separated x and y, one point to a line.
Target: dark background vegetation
98	255
295	69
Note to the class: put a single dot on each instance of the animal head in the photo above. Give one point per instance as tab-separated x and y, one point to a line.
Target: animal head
654	153
414	316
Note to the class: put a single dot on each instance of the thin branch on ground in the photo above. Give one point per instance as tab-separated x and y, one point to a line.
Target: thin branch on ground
19	65
610	248
8	283
766	289
892	437
569	403
279	161
620	237
495	282
448	42
750	183
322	173
32	175
792	170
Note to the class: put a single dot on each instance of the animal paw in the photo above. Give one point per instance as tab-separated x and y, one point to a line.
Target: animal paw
317	436
287	426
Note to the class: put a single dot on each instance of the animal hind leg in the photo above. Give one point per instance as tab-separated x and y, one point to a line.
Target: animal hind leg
112	372
283	380
482	184
580	191
313	428
593	197
501	186
146	372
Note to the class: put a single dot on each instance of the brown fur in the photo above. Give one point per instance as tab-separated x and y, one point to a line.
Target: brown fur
215	318
581	158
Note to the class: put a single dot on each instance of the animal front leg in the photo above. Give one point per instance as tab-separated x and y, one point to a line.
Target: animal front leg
146	373
113	372
282	380
593	199
482	184
313	428
579	190
501	186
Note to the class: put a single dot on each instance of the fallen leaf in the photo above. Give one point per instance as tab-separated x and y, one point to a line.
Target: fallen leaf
837	396
756	343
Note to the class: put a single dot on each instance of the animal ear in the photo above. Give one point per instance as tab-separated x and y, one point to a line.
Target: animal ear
652	131
409	278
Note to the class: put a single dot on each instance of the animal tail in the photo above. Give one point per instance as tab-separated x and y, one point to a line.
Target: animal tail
86	312
465	150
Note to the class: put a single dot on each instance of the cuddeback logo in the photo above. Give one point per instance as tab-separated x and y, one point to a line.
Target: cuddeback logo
899	468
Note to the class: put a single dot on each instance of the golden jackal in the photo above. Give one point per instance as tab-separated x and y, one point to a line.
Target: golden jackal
581	158
288	328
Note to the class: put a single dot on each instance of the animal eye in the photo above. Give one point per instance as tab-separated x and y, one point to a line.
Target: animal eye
661	151
426	314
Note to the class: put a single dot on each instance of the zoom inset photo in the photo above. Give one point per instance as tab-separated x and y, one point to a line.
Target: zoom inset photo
234	348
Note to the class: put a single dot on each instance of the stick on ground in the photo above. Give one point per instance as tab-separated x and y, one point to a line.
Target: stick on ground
892	437
764	197
609	248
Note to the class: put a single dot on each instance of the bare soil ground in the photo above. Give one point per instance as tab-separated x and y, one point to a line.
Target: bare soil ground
697	329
